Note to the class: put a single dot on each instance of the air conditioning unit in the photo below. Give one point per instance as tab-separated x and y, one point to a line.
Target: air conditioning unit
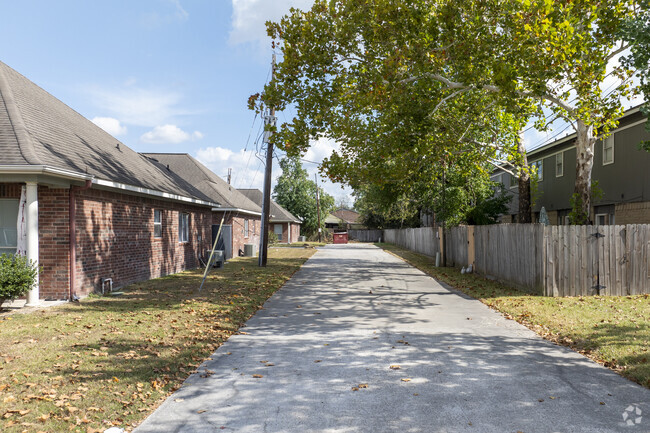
249	250
218	258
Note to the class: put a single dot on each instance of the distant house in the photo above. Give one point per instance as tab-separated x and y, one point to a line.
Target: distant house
241	216
343	219
282	222
94	209
621	169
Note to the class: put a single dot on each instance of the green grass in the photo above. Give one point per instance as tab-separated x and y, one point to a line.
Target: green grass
612	330
110	361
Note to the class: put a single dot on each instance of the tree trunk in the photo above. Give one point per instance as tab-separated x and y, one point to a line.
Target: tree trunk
525	211
585	142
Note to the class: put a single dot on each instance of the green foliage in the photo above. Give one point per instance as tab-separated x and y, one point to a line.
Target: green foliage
273	238
297	193
381	207
17	275
577	215
636	32
488	210
408	87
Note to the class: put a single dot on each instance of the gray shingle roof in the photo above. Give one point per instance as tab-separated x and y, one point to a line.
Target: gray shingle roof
205	180
278	213
39	130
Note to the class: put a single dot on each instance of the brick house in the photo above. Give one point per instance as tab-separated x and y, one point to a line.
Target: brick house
93	208
282	222
621	169
241	216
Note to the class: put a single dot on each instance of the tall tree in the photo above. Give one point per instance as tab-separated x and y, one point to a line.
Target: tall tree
392	80
297	193
636	32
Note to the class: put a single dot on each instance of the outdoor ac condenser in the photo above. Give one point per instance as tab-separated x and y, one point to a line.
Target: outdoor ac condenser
249	250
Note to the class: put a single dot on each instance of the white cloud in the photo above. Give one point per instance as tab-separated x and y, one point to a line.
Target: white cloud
110	125
138	106
169	134
249	18
247	168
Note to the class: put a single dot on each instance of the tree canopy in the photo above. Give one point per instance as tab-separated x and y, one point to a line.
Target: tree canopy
410	86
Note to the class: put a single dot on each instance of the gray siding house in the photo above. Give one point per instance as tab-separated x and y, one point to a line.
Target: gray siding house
621	169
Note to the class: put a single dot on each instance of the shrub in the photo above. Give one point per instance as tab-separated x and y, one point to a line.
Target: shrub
17	276
273	238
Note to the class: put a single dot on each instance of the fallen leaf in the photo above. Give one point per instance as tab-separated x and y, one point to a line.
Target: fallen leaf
395	367
354	388
258	376
318	360
178	400
363	385
404	379
201	411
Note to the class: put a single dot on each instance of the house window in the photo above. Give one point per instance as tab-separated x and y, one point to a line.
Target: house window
245	228
538	168
608	150
513	181
8	226
157	224
601	219
183	227
559	164
277	229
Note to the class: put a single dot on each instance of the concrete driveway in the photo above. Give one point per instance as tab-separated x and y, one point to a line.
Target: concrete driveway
359	341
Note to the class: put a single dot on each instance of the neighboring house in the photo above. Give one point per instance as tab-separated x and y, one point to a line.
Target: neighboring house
621	169
282	222
94	208
343	219
241	216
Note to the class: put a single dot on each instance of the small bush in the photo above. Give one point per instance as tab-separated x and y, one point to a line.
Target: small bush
17	276
273	238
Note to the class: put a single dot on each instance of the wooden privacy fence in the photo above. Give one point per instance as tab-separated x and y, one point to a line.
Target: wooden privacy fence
548	260
365	235
423	240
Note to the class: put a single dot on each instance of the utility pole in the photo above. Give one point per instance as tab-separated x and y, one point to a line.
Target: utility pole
269	122
317	207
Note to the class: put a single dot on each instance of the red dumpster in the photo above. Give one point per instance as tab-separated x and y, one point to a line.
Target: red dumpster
341	238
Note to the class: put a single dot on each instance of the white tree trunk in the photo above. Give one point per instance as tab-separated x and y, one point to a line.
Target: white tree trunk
585	142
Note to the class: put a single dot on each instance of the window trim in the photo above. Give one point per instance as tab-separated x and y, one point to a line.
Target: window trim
611	140
246	228
183	227
561	157
513	182
157	223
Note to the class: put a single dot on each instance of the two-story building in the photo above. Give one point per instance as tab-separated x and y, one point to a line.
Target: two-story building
621	170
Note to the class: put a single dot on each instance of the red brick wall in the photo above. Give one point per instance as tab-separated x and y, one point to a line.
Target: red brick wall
54	242
237	223
115	238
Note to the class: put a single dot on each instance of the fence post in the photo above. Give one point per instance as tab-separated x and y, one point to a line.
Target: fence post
470	247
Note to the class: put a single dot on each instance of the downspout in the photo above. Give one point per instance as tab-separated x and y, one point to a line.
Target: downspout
73	230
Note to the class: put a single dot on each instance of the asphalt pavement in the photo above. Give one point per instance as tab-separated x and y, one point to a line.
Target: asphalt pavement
359	341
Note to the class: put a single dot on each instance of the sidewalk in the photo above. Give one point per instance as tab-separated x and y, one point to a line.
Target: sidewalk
359	341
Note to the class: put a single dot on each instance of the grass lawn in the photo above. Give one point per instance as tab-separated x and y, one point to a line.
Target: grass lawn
614	331
110	361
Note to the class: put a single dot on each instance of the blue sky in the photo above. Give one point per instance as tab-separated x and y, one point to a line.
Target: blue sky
160	75
164	75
